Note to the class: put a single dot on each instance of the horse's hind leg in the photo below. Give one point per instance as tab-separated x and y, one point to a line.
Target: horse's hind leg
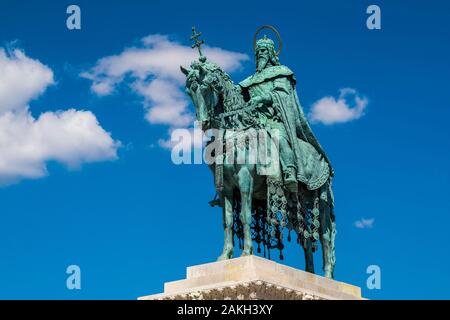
327	234
227	212
245	181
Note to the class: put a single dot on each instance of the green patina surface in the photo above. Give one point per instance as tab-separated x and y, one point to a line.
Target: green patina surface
297	195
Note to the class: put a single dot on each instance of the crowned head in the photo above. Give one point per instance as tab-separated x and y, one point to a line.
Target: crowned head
265	53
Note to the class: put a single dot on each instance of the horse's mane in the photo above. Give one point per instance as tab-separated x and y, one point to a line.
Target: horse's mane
232	97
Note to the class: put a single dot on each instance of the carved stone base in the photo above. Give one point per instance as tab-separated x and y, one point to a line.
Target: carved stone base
253	278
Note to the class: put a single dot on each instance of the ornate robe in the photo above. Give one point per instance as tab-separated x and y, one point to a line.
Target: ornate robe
313	166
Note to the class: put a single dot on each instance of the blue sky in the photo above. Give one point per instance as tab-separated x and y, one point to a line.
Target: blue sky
132	220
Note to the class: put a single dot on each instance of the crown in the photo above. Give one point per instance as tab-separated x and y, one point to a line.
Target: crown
265	41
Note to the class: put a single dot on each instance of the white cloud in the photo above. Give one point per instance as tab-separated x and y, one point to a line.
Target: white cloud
364	223
102	88
154	72
348	106
21	79
71	137
165	103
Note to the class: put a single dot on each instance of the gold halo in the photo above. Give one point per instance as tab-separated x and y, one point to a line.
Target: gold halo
274	30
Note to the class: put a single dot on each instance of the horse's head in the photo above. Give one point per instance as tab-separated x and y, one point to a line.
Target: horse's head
205	84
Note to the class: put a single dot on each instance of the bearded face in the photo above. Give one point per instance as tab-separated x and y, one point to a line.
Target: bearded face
262	57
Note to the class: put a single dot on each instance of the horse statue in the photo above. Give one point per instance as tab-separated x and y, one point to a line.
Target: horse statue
257	205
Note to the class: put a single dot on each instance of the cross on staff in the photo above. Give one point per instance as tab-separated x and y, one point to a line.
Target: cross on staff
198	43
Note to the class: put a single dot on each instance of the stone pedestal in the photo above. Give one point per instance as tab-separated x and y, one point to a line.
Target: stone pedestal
256	278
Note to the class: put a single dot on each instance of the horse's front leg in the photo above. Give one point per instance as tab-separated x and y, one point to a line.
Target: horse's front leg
245	181
227	214
309	257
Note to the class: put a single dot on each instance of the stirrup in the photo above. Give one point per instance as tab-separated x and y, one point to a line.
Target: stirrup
215	202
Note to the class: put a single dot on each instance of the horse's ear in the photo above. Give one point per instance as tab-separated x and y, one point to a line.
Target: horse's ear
184	70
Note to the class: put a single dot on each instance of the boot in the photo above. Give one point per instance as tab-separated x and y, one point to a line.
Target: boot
290	180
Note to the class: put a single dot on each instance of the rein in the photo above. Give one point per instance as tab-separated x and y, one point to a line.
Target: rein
237	111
